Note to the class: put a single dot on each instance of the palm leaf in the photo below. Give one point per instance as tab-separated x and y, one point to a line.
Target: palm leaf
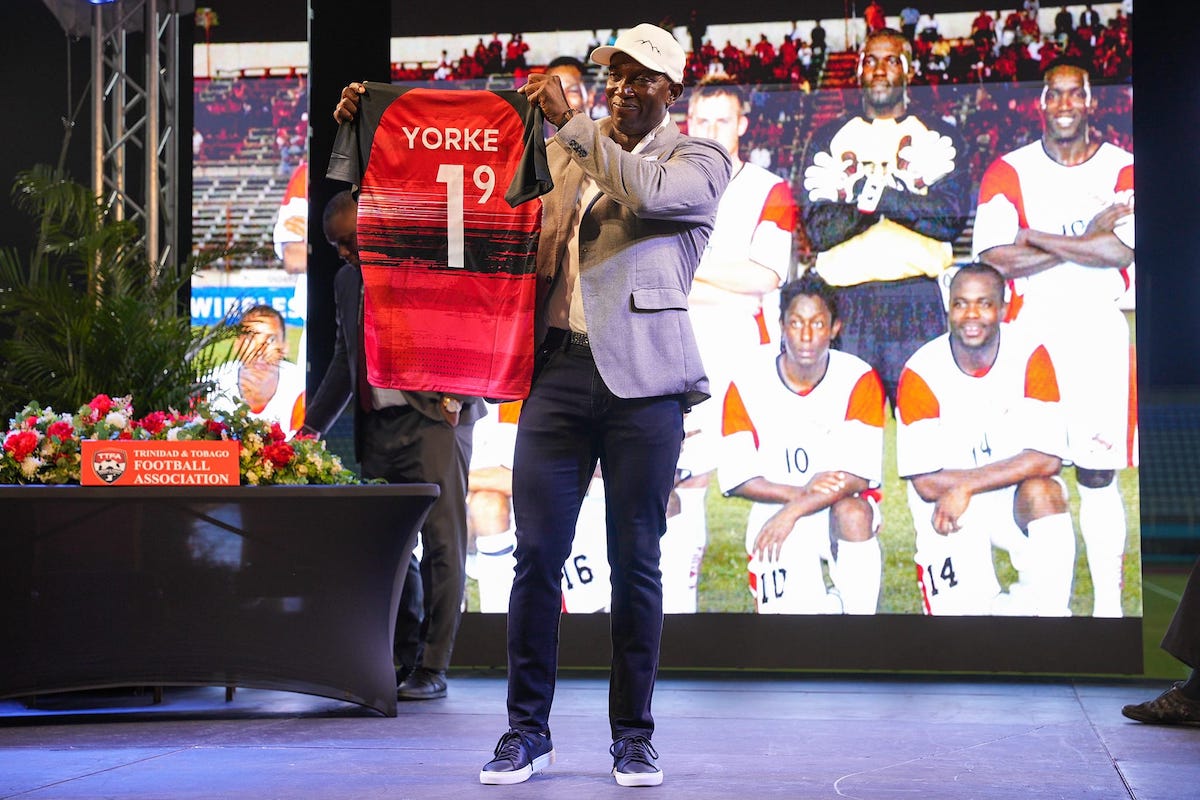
87	312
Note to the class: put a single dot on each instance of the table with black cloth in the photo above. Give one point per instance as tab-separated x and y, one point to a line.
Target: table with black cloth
277	587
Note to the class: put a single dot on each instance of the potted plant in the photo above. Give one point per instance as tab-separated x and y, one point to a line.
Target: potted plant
88	310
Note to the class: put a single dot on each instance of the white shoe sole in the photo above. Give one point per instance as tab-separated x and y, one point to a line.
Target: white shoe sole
638	778
517	776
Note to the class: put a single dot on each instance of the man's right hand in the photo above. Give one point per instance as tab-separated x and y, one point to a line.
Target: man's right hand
347	107
1107	218
949	509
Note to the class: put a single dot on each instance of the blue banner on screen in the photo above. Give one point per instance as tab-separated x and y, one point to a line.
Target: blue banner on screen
210	304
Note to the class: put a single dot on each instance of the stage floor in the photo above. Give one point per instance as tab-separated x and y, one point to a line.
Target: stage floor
720	737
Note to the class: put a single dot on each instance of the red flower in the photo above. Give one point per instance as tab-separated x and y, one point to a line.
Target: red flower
30	423
278	453
277	434
60	430
216	426
101	404
21	444
153	422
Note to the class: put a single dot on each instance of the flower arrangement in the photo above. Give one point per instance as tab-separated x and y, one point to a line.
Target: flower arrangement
42	446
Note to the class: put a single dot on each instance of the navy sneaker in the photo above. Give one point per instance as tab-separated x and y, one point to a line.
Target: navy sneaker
635	762
519	754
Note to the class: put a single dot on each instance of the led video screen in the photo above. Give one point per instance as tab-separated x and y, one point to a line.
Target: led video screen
743	571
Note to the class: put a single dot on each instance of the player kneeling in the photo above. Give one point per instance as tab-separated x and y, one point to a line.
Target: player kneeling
980	439
802	436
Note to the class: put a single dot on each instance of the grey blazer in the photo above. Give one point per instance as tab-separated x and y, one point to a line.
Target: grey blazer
639	246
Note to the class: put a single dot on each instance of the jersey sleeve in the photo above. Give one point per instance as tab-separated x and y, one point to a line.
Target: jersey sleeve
918	427
771	243
1000	212
739	443
295	204
297	418
532	178
1124	227
863	429
1042	422
344	163
352	144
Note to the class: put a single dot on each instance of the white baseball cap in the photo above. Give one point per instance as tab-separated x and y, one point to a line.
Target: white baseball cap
650	46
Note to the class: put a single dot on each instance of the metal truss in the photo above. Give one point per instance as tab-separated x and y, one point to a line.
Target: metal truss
136	100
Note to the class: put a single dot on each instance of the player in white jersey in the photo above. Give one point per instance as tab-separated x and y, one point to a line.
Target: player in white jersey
1056	217
585	583
489	506
980	438
803	439
290	236
745	261
585	580
259	374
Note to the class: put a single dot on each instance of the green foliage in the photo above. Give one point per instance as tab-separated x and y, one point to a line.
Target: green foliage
88	311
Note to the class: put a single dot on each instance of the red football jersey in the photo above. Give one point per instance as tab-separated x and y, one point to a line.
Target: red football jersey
448	225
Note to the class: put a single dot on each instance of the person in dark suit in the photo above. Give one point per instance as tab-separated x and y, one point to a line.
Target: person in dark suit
1180	704
401	436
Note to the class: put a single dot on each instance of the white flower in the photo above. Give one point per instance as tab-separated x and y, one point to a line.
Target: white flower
173	435
252	477
30	466
116	419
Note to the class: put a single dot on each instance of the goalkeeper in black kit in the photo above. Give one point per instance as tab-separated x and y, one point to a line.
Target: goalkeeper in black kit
885	195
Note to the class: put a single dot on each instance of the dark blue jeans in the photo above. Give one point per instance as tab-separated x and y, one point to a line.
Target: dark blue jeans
570	421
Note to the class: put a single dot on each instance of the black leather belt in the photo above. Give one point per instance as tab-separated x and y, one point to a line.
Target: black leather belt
561	338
